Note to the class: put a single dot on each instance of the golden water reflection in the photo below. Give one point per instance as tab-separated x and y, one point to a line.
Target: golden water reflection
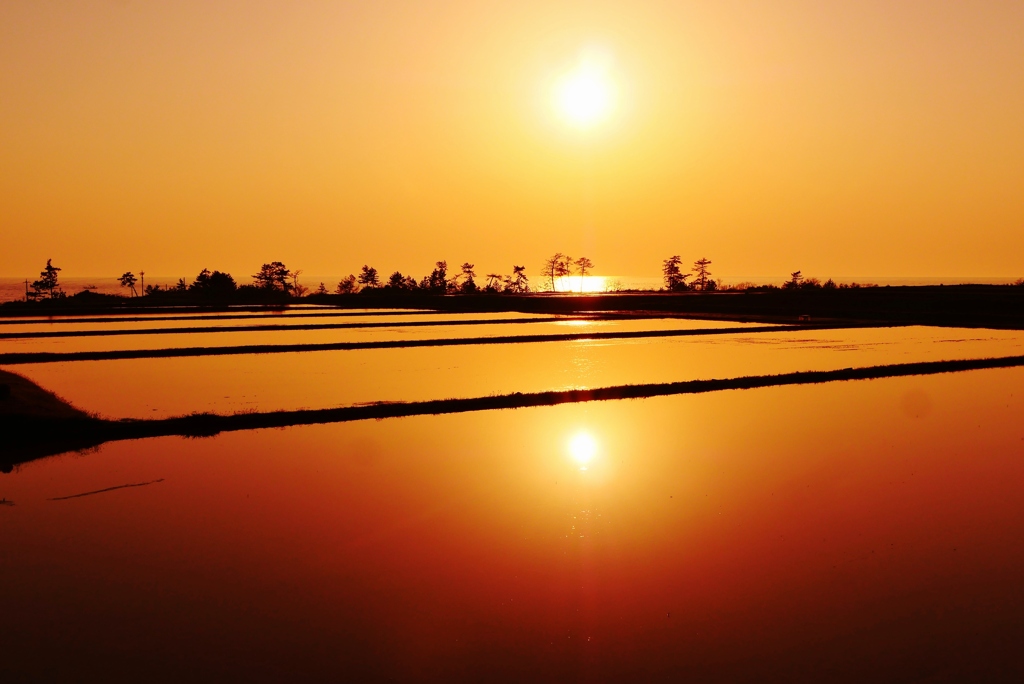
583	449
876	524
148	388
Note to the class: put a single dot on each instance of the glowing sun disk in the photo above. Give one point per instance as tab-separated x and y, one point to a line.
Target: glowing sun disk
584	97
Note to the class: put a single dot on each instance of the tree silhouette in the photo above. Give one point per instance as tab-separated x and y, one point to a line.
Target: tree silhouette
675	279
518	282
396	281
273	276
128	280
368	277
401	283
469	285
583	264
437	281
214	284
700	268
493	281
347	285
554	268
565	269
796	278
298	290
322	290
47	284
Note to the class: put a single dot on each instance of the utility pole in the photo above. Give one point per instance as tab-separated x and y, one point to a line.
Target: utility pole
26	289
142	274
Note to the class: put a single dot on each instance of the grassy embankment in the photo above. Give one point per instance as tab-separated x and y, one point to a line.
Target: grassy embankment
36	423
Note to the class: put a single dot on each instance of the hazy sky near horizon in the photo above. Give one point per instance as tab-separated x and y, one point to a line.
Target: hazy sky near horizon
861	137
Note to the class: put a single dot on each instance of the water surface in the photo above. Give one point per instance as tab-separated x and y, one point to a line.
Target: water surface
142	388
473	327
847	532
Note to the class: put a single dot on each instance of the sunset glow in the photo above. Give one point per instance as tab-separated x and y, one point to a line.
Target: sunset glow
584	97
541	341
401	134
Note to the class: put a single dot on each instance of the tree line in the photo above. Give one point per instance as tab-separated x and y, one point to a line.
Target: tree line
797	281
439	281
274	280
675	278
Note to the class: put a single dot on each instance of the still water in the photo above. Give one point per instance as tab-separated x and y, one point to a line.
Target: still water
466	326
157	388
243	318
862	531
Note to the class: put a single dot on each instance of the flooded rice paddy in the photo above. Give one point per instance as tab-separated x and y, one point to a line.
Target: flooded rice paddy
105	336
841	532
158	388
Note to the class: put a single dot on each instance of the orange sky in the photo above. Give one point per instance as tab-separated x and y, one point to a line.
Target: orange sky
839	137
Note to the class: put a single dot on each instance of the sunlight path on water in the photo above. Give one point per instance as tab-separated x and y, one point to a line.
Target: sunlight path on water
871	523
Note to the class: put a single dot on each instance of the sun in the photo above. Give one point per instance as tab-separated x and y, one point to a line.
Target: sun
585	96
584	99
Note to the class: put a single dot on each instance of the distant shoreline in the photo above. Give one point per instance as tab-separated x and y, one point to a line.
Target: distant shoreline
996	306
12	288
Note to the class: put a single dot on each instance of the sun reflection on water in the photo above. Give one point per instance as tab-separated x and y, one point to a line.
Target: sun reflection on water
580	284
583	449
